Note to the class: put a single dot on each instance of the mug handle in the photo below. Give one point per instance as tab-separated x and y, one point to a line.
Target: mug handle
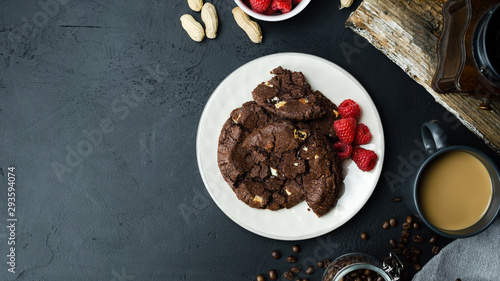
433	136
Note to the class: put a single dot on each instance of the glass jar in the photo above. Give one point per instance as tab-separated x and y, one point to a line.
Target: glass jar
354	266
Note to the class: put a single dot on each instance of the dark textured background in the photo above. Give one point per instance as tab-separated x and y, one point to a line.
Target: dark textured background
134	207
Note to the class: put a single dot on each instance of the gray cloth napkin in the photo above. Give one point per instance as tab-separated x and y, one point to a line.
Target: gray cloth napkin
471	259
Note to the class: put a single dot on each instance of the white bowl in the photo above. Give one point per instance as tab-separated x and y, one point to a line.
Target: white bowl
276	17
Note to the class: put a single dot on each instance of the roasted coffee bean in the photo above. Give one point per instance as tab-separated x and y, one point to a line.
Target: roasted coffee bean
386	225
310	270
380	278
393	243
396	199
415	259
405	233
406	226
458	279
288	275
276	255
296	249
291	259
418	239
295	269
434	239
397	251
409	219
404	240
319	264
401	246
364	236
354	274
326	263
393	222
406	252
305	279
417	267
416	226
406	264
273	275
416	251
435	250
261	278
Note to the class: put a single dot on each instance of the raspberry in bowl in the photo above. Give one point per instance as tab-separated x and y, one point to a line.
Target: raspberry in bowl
272	10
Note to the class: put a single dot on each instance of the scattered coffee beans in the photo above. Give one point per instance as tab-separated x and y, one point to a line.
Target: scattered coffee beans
406	226
393	222
273	275
409	219
435	250
319	264
296	249
415	259
310	270
276	255
386	225
416	251
434	239
261	278
418	239
405	233
416	226
288	275
295	269
404	240
417	267
364	236
393	243
291	259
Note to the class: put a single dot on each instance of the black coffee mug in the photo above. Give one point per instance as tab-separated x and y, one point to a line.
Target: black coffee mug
435	143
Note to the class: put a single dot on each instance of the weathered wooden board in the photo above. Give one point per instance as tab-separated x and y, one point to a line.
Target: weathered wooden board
407	32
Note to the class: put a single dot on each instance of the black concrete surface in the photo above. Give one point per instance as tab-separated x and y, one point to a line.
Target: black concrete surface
107	186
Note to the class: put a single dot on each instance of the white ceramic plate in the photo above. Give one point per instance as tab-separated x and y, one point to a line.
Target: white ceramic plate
296	223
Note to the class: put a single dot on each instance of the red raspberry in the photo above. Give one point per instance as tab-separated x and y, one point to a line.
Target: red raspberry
345	129
269	11
296	2
344	150
364	158
349	108
284	6
259	6
363	135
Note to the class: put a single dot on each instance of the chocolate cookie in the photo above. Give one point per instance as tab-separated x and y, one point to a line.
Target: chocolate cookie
274	163
289	96
256	156
323	181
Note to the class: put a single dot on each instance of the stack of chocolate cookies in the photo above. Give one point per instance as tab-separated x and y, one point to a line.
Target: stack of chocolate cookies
276	151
